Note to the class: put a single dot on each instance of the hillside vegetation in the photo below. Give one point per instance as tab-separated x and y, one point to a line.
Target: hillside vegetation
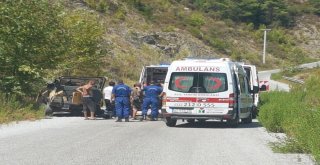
42	39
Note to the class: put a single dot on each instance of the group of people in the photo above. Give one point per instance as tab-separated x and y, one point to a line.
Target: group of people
121	99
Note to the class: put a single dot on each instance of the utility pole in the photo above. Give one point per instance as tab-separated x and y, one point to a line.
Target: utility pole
264	45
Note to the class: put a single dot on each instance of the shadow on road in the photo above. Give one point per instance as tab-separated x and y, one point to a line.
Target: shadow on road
215	124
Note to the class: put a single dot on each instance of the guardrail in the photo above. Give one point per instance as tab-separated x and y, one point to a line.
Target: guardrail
293	80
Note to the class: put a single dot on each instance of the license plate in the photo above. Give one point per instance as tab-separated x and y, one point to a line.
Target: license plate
191	104
182	111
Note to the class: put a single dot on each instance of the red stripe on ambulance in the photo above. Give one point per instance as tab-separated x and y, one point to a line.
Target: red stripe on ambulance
194	99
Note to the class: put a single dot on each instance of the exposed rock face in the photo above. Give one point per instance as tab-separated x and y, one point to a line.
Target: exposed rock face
172	43
308	31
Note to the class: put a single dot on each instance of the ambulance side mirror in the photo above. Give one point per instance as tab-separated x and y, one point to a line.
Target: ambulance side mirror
263	88
255	89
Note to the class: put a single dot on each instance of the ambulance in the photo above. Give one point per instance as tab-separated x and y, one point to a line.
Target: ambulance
207	89
155	73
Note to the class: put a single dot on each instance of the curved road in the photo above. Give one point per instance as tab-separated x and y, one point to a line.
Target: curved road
74	141
275	85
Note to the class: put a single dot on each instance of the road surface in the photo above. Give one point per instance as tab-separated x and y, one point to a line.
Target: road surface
74	141
273	85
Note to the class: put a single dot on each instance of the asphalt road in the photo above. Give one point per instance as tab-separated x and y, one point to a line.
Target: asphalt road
74	141
273	85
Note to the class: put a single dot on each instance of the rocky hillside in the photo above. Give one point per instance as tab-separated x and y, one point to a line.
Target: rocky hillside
142	33
41	40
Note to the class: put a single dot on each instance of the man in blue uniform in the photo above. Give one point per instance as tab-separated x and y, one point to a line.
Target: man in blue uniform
121	94
151	97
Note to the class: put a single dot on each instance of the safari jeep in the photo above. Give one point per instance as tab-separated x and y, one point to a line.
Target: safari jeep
61	96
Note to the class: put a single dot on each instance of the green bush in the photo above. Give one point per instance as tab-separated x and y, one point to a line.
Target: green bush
297	113
276	76
195	31
196	19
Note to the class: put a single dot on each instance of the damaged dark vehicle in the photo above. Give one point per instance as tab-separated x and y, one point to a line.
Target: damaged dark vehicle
61	96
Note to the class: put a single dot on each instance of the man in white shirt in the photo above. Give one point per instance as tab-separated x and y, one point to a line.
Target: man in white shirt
107	93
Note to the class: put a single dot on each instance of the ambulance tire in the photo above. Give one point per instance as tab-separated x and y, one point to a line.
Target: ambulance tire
201	120
171	122
248	119
233	122
190	120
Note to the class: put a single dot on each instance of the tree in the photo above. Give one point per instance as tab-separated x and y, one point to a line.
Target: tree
84	52
31	40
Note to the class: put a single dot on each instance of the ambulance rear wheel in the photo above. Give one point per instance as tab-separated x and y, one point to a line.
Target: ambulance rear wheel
171	122
233	122
248	119
190	120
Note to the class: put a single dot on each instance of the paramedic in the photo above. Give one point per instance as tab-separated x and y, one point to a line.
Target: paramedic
151	97
121	93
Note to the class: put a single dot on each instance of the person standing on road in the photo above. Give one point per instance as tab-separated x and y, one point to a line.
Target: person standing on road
107	92
151	97
87	100
136	99
121	94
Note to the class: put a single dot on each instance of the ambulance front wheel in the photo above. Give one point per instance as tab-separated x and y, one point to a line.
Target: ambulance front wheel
171	122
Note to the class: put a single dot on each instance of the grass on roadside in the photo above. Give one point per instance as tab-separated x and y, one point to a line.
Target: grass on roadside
297	114
13	110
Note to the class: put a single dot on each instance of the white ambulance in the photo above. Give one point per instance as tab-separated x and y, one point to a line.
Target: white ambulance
252	75
156	73
203	89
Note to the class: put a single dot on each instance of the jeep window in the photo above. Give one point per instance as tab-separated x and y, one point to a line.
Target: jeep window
193	82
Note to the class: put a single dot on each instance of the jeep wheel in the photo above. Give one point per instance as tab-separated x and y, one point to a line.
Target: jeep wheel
48	111
171	122
190	120
76	112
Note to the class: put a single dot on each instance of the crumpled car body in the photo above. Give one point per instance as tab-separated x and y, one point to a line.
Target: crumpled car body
61	95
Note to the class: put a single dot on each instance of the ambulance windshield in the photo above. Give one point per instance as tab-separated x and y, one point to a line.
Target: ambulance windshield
195	82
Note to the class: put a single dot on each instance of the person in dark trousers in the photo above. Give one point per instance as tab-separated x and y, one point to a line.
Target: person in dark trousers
121	94
151	97
107	92
136	99
87	100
